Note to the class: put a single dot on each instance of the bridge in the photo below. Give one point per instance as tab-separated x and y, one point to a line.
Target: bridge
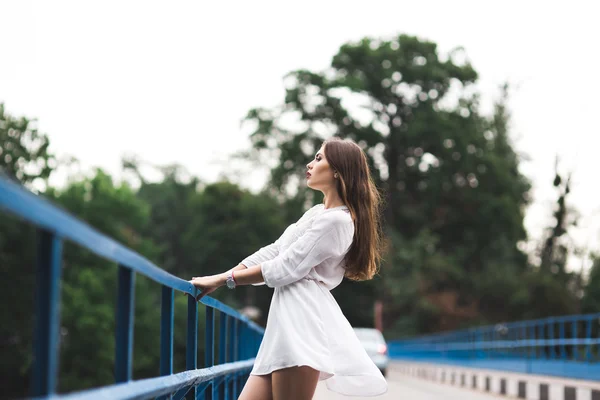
552	358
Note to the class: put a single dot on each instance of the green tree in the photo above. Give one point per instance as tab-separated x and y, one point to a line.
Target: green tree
449	174
591	297
550	280
24	154
170	215
89	286
24	158
555	252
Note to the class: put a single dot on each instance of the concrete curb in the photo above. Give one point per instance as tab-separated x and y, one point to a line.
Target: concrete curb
503	383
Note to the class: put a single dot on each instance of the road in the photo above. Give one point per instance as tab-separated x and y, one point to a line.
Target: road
402	387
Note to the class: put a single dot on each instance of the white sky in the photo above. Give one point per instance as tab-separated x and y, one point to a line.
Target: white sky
170	81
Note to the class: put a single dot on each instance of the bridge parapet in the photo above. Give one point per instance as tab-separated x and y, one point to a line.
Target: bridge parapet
239	337
565	346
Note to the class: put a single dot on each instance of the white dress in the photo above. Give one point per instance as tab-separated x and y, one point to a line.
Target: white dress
305	325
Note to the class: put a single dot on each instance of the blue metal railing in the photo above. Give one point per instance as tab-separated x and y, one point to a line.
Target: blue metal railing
567	346
239	337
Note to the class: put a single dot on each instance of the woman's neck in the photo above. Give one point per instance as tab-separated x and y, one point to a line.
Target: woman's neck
332	200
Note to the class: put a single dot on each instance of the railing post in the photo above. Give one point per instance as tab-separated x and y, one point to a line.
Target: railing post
552	351
588	335
47	318
563	351
244	340
522	339
166	332
236	344
209	341
529	350
232	344
191	354
532	341
486	343
574	333
539	338
222	350
124	327
238	354
227	356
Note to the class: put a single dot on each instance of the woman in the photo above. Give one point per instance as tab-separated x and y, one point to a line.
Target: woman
307	337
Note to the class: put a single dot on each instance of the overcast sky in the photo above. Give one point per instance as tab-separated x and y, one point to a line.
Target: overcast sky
170	81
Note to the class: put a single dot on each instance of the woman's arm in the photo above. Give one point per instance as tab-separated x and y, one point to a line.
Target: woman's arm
265	253
238	267
242	276
329	236
248	276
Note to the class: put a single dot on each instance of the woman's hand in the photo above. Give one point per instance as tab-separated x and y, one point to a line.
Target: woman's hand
207	284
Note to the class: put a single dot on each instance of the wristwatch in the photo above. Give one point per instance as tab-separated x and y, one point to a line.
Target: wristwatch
230	282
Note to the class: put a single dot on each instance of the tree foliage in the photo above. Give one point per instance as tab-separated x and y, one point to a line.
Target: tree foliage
89	284
454	195
24	158
24	152
591	298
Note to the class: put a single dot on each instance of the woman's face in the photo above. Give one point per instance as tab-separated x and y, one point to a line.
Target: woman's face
319	175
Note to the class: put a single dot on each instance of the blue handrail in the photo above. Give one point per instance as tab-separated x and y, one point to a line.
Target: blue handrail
567	346
236	356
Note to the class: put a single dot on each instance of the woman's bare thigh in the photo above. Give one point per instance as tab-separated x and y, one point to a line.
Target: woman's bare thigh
257	387
296	383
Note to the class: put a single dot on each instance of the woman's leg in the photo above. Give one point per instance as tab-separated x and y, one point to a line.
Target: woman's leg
296	383
257	387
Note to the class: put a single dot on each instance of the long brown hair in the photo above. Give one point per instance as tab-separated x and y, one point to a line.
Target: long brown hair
359	193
